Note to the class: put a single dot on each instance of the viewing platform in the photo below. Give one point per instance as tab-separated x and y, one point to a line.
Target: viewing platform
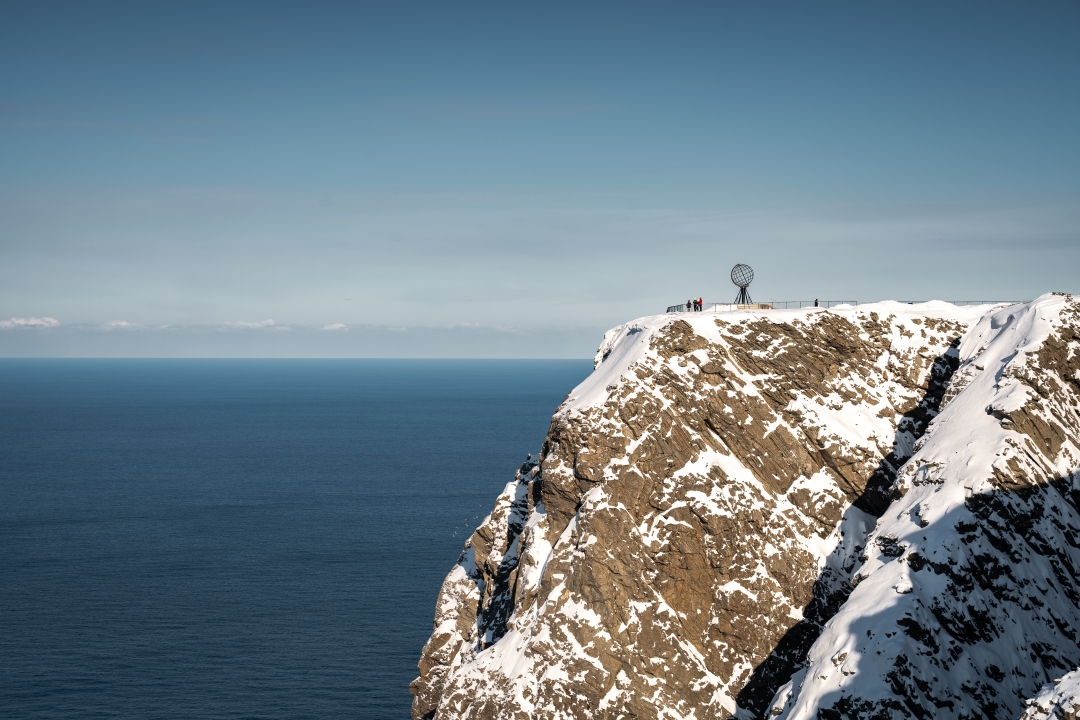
793	304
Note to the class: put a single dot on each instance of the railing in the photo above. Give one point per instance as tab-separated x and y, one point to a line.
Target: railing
787	304
724	307
718	307
791	304
970	302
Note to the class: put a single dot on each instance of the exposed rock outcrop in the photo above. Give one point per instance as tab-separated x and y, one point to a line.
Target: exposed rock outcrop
702	504
969	599
1059	700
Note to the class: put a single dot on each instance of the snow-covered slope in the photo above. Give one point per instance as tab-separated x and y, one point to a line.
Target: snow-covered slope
702	505
969	598
1059	700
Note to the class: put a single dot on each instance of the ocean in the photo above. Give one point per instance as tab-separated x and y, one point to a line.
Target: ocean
243	538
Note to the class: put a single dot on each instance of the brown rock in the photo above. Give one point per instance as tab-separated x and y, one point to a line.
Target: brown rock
675	532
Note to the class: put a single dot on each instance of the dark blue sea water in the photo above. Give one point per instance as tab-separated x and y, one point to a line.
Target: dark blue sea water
243	538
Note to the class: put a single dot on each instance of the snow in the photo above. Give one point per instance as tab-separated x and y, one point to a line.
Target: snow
954	463
1056	700
628	344
621	348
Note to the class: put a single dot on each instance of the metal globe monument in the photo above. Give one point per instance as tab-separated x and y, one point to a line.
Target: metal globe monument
742	275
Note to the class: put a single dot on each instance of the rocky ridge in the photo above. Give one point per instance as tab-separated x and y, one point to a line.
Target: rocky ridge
968	600
1059	700
702	505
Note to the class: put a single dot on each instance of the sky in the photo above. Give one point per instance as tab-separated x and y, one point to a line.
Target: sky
510	179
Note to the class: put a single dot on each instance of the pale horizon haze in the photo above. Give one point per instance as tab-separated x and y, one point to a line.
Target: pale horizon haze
509	180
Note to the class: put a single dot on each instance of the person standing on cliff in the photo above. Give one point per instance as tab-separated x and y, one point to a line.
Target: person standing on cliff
688	305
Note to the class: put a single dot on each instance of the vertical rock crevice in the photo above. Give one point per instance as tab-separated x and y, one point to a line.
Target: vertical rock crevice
833	585
969	597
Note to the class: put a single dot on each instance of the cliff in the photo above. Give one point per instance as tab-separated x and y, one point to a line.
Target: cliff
1059	700
727	505
969	597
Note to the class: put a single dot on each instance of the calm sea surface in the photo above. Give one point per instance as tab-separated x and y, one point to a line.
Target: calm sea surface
243	538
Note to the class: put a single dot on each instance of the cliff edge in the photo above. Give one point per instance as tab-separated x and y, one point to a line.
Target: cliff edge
725	503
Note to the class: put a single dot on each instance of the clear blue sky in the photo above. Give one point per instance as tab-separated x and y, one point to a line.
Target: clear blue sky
452	179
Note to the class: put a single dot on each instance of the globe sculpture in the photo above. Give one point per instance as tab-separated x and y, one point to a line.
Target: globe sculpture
742	275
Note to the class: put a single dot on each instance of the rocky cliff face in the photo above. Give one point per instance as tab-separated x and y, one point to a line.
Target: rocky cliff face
969	597
707	499
1059	700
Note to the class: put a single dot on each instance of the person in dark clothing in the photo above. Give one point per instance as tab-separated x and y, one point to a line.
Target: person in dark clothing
688	305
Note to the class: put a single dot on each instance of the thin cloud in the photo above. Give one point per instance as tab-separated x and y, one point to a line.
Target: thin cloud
29	322
268	324
479	327
335	326
119	324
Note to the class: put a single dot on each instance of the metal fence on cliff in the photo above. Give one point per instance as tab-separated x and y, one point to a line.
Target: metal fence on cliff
792	304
